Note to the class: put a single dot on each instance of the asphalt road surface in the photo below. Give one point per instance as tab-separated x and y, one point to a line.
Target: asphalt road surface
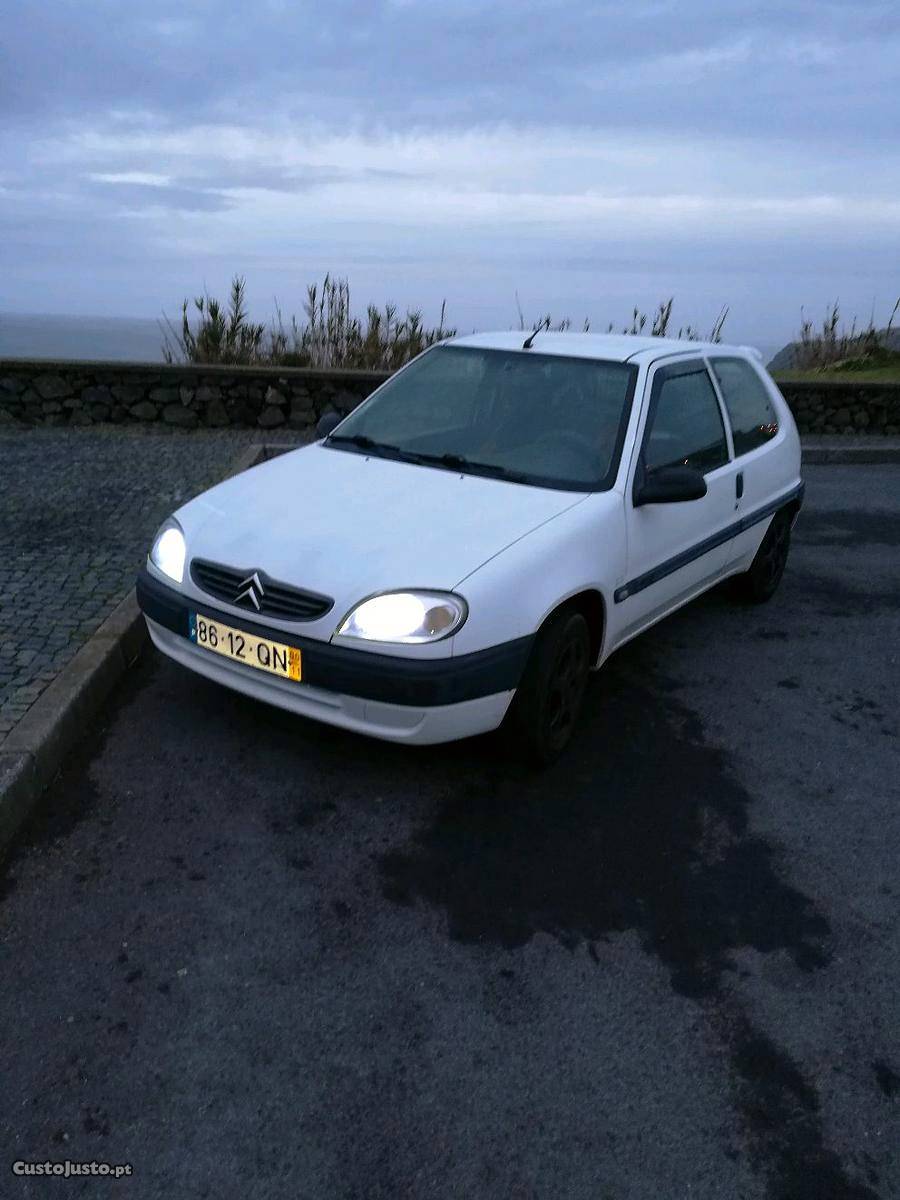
252	956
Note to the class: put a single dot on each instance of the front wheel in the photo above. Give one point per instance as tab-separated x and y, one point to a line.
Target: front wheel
760	583
549	698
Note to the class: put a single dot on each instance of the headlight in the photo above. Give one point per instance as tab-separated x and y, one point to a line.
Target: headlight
168	550
405	617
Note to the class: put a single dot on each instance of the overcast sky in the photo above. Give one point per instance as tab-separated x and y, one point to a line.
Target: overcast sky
589	156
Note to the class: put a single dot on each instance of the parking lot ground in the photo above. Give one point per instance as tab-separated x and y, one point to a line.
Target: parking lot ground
251	955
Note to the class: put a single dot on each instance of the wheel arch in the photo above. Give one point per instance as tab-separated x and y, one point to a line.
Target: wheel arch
592	606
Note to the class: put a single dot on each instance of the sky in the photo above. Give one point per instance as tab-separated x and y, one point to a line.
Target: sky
583	157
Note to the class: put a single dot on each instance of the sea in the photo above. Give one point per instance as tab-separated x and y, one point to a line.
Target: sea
117	339
121	339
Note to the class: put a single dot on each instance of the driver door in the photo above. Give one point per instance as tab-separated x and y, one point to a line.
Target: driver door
675	550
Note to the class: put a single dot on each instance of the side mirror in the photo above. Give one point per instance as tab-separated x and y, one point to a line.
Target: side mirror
328	422
670	485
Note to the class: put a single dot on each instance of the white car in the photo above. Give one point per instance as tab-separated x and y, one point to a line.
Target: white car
488	526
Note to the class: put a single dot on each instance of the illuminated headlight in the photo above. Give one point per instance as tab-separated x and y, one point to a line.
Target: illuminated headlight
405	617
168	550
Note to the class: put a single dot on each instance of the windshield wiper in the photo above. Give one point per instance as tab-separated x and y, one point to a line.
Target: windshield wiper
356	439
454	462
460	462
365	443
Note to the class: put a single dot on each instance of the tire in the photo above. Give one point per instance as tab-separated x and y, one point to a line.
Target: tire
549	698
760	583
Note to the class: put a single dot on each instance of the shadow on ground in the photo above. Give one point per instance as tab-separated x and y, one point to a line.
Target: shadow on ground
644	830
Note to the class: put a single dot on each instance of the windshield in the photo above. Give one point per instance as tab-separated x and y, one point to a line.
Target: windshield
532	418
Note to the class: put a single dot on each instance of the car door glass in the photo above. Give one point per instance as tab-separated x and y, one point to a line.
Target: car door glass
686	427
750	409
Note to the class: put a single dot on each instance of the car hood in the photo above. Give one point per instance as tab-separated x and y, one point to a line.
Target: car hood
347	525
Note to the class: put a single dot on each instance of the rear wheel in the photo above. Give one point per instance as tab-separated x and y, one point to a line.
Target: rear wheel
761	582
549	698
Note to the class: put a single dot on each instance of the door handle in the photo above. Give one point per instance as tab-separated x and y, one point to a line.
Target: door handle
739	484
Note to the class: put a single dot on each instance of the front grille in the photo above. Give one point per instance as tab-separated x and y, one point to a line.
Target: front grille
257	592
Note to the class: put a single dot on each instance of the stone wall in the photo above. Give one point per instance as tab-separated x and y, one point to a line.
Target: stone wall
851	408
85	393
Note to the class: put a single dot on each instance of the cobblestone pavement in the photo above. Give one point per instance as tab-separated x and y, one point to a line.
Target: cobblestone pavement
77	510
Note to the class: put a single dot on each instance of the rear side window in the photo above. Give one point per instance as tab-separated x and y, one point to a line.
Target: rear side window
750	409
686	428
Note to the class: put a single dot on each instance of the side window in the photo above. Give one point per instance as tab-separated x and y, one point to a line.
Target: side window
686	427
750	409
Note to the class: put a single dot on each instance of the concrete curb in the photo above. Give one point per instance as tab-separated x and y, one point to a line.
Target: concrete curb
33	751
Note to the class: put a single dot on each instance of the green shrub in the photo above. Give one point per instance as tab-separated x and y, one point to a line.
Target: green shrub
850	349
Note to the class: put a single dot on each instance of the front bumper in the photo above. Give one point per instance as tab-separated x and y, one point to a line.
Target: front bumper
402	699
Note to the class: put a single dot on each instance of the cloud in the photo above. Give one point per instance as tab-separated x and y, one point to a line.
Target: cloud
146	178
493	175
464	63
449	148
150	199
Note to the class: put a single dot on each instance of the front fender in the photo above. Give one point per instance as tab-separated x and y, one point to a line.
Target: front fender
511	595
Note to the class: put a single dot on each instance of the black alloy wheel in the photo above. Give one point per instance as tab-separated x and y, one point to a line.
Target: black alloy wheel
547	704
761	582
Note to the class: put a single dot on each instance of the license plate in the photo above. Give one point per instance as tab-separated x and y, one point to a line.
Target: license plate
243	647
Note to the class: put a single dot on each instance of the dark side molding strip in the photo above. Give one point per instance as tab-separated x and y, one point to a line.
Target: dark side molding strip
697	551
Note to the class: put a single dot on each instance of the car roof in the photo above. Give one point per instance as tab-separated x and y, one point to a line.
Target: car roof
609	346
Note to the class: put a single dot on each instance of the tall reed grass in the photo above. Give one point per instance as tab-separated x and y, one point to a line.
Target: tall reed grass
331	336
832	345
